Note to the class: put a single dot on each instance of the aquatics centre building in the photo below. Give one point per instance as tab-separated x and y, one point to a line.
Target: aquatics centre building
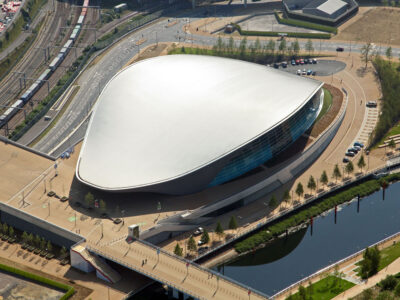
179	124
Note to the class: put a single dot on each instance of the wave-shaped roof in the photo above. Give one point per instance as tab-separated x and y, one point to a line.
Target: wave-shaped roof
165	117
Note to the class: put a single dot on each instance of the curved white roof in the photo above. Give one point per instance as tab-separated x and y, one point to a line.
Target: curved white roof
165	117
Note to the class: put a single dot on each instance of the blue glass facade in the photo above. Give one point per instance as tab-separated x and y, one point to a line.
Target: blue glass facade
270	144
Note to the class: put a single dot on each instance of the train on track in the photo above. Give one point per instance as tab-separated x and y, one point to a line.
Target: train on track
31	91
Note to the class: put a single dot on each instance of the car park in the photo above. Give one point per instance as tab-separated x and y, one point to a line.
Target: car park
346	160
198	231
339	49
372	104
351	154
359	144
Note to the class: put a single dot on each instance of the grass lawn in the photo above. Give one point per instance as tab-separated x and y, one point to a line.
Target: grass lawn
325	289
393	131
326	106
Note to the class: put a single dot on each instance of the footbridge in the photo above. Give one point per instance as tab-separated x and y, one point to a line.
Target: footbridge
177	273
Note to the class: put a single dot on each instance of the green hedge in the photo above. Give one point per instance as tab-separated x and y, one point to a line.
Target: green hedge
275	33
305	24
304	215
61	286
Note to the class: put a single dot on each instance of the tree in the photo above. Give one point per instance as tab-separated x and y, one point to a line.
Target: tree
7	35
302	292
392	144
336	172
299	190
219	230
220	45
271	47
89	199
361	163
243	47
310	288
49	246
37	241
25	237
286	196
63	252
257	45
282	46
233	223
370	263
231	45
11	231
5	229
42	244
311	183
178	250
324	178
103	206
296	47
205	238
389	54
272	202
30	239
309	46
192	244
397	290
366	53
367	294
349	168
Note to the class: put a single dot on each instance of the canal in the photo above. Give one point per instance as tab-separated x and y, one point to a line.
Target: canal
287	260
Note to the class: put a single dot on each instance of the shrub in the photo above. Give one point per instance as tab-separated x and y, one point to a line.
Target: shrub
389	283
397	290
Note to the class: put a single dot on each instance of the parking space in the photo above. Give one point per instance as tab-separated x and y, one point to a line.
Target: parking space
321	68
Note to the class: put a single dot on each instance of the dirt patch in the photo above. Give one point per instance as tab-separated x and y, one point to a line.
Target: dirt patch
378	25
151	51
80	291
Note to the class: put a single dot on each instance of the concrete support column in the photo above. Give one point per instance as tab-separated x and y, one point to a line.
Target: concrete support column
245	3
170	292
193	4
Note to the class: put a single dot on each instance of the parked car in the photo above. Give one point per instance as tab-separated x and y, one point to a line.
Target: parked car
339	49
357	148
304	72
306	60
200	243
346	160
359	144
313	73
198	231
355	151
298	72
309	72
276	65
302	61
293	62
314	61
284	64
351	154
297	61
371	104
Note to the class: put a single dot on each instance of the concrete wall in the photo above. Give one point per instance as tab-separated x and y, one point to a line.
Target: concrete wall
77	261
31	224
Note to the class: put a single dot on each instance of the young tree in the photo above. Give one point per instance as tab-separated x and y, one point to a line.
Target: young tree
272	202
30	239
219	230
324	178
49	246
271	47
25	237
311	184
286	196
257	45
233	223
5	228
302	292
299	190
349	168
282	46
366	53
296	47
42	244
361	162
336	172
89	199
37	241
11	231
178	250
392	144
205	238
63	252
231	45
243	47
389	54
102	206
309	46
192	244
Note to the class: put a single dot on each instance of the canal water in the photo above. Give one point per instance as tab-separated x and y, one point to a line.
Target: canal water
287	260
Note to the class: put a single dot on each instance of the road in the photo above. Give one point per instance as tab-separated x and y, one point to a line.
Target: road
94	78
